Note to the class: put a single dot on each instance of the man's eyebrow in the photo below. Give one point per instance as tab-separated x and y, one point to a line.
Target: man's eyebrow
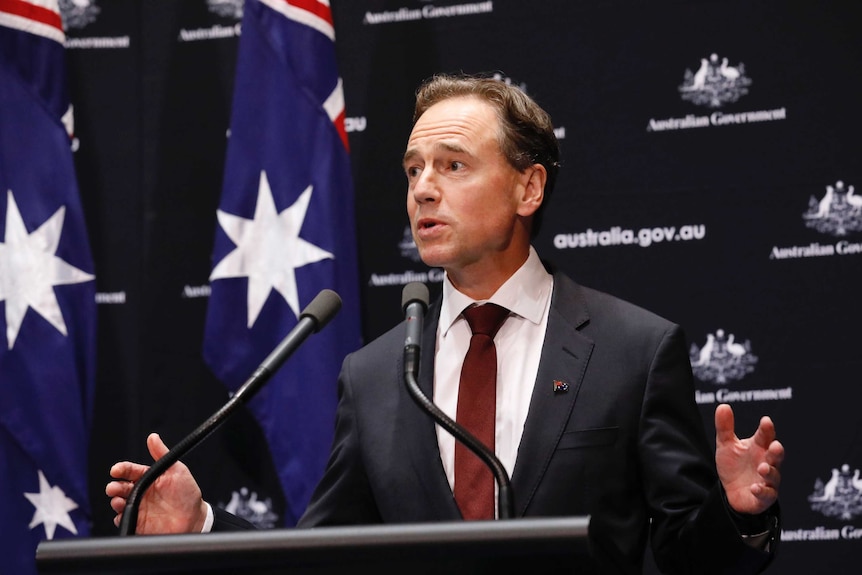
444	146
409	155
452	147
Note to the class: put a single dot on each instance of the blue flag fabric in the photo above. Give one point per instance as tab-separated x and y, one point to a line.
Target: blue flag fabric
47	292
286	231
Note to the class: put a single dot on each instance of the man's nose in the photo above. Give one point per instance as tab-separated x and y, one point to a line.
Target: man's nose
426	187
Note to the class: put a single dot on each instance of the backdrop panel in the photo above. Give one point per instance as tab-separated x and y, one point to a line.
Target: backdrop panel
709	153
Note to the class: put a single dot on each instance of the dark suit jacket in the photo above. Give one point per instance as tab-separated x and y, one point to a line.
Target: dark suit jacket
625	444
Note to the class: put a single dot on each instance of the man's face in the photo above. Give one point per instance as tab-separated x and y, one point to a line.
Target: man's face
463	198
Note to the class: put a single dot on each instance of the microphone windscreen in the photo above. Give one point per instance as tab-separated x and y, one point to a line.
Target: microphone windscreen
322	308
414	291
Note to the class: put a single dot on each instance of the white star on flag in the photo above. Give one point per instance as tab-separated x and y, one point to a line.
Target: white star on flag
52	508
268	249
29	270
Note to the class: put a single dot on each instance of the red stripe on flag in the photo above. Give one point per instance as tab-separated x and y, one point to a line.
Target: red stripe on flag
32	12
342	130
322	11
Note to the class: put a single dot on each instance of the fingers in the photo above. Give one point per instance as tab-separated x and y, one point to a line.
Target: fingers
119	489
128	471
763	437
765	433
770	474
724	424
119	492
118	504
775	454
156	446
765	494
770	467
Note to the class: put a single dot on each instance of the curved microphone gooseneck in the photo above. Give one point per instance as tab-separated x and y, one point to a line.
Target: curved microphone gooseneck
414	302
312	319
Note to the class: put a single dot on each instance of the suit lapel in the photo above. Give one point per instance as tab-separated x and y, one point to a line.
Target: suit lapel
420	429
564	359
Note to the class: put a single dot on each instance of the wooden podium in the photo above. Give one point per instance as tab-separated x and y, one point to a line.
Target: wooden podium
539	545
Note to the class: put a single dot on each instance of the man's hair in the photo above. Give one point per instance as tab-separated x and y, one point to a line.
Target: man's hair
526	132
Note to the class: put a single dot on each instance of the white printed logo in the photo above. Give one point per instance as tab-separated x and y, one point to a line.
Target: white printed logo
78	13
841	496
722	358
226	8
509	82
715	83
249	507
839	211
356	124
427	12
408	246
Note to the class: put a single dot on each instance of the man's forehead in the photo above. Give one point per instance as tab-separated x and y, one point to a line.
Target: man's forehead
458	108
453	125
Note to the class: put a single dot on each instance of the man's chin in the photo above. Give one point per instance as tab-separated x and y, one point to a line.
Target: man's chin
433	262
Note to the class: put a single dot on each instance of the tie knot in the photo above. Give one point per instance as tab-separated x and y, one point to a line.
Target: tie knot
486	319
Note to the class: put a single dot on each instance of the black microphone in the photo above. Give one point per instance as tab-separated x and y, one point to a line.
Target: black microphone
414	302
311	320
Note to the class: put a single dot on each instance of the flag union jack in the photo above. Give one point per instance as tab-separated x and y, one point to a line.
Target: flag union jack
38	18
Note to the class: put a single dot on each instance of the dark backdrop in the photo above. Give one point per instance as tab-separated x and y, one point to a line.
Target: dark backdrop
722	173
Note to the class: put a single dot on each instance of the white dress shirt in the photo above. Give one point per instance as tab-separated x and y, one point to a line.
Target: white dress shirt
527	295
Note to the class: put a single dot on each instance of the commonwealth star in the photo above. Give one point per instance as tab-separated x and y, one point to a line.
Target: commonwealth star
268	249
29	270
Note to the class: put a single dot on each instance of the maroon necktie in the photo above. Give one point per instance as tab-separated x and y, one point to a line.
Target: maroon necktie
477	403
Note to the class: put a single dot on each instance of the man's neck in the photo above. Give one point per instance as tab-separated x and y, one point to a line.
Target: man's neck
483	286
480	282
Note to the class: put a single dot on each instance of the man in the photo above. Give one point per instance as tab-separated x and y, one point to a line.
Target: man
594	409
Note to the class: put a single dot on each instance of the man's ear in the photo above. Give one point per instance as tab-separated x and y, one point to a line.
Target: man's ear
533	181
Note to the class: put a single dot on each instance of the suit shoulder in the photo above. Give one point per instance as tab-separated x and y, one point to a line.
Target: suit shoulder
607	304
386	343
392	341
383	352
603	310
628	332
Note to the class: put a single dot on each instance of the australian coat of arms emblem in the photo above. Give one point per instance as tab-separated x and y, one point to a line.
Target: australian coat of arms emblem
840	496
715	83
78	13
722	358
838	212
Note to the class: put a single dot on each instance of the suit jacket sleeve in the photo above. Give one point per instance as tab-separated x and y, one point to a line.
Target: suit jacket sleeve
343	496
224	521
676	475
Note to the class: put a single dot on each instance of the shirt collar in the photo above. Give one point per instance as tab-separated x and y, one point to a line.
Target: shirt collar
525	294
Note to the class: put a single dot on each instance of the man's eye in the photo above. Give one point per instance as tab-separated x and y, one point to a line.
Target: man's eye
455	166
412	172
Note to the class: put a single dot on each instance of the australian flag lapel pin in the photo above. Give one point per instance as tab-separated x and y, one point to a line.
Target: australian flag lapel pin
560	386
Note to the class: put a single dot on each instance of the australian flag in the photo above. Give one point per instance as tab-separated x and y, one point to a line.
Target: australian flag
286	231
47	294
